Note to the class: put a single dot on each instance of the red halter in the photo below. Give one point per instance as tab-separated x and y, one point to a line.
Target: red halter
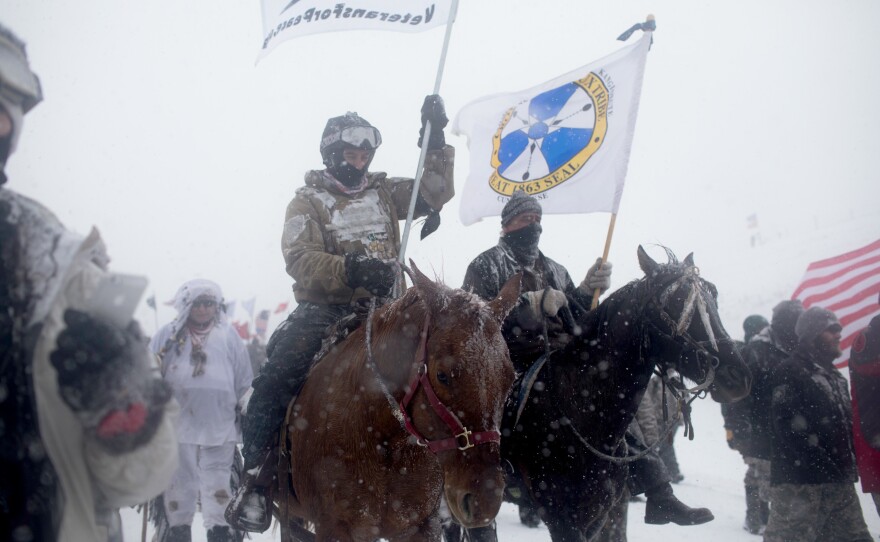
462	439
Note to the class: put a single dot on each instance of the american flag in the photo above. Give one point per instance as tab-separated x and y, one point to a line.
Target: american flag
847	285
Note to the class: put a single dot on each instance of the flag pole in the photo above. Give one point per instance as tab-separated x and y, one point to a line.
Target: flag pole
596	292
426	137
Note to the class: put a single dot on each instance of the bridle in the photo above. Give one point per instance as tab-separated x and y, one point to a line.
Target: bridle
676	332
462	438
707	352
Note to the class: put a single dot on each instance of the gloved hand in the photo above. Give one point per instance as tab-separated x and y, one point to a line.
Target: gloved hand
105	377
547	304
373	274
598	276
433	110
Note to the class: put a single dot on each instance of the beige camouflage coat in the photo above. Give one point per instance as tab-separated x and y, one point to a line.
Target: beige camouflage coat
322	225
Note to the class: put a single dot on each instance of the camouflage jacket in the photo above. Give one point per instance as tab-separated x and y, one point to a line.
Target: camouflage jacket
322	225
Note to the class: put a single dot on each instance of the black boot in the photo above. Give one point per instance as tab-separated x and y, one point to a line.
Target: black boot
528	516
663	507
249	508
753	523
220	533
179	533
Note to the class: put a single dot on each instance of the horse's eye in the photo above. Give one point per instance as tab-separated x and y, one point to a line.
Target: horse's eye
442	378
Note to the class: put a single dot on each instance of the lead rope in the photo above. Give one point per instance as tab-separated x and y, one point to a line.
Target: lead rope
395	409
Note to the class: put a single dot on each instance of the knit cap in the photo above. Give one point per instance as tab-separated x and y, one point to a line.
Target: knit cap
519	203
814	321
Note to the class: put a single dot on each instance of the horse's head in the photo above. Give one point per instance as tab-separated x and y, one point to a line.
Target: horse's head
685	331
469	370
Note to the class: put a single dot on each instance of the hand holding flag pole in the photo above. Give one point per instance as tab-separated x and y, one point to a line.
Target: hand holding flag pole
648	26
426	138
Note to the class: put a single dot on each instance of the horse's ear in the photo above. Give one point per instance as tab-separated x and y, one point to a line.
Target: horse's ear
689	261
426	287
507	297
648	265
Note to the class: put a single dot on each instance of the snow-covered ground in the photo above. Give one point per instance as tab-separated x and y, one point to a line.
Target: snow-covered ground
713	478
713	472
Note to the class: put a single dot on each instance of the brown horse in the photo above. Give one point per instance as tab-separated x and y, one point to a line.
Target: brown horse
405	408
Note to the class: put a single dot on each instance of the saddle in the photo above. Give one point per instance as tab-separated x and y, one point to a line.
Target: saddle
337	332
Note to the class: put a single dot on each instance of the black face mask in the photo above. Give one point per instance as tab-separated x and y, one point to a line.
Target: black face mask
524	242
347	174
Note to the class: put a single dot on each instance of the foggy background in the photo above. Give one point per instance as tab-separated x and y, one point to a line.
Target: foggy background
756	145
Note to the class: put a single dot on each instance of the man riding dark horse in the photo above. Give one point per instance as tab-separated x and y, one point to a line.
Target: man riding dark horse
340	242
536	325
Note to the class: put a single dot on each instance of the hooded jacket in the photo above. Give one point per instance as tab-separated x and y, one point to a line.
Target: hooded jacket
323	224
66	483
811	420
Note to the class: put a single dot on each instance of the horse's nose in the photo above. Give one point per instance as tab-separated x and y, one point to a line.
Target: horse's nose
732	383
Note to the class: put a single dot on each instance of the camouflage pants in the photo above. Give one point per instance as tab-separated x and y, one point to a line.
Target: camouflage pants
758	475
816	512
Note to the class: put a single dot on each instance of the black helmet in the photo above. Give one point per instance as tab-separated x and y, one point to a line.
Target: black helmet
347	130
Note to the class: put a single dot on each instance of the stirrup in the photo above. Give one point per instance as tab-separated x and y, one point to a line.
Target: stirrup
249	509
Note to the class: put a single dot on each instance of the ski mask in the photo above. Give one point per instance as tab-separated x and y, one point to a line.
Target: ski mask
344	172
524	243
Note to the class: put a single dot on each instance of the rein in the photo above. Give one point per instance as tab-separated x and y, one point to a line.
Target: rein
678	334
462	438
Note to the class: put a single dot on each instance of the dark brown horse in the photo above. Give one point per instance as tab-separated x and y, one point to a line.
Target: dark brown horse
565	442
406	408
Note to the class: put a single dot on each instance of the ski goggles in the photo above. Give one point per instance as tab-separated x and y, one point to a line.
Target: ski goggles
362	137
18	84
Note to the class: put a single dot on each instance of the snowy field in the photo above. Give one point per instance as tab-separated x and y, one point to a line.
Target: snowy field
713	478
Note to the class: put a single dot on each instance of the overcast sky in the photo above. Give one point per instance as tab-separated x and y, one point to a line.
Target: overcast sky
159	129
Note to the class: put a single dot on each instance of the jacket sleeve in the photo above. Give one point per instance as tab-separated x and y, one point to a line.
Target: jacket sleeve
435	189
302	244
134	477
241	364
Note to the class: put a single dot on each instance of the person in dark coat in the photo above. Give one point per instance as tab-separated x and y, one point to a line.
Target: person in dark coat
748	421
864	371
548	289
812	465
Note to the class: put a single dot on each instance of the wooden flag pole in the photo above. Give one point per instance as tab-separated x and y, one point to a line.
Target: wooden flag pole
426	138
596	292
144	525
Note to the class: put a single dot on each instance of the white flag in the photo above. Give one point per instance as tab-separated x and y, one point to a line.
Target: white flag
285	19
566	142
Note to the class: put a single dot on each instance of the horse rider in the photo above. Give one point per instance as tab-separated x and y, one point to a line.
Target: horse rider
340	242
548	288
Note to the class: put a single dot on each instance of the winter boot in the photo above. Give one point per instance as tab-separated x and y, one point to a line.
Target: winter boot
528	516
753	523
179	533
663	507
220	533
249	508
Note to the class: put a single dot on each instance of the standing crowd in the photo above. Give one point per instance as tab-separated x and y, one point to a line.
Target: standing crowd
95	417
805	440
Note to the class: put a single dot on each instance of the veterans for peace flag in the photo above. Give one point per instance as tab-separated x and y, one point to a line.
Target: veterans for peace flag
848	286
566	142
285	19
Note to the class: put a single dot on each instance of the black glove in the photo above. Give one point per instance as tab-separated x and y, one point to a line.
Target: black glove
372	274
104	376
433	110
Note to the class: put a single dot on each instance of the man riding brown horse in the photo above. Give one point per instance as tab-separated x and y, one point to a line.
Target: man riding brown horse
340	242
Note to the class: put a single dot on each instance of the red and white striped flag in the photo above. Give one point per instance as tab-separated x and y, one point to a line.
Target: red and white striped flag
847	285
